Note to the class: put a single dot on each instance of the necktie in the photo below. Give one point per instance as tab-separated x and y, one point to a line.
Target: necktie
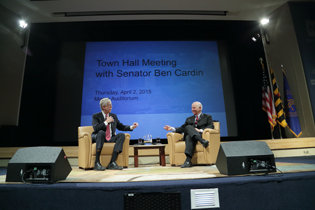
196	121
107	130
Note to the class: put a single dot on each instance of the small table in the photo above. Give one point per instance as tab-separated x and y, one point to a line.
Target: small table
161	148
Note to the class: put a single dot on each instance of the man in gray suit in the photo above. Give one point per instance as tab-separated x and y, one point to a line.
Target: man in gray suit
193	129
104	124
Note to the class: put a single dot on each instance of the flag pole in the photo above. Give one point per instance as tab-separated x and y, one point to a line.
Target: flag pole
265	52
270	82
279	127
283	110
285	93
280	131
263	42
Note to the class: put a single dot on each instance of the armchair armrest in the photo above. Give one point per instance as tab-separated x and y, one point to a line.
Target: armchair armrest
126	150
85	134
85	149
208	131
213	136
174	137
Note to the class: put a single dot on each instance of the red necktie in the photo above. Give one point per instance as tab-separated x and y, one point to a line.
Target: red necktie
196	121
107	130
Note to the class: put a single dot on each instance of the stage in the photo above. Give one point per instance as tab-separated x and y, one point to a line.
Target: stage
291	189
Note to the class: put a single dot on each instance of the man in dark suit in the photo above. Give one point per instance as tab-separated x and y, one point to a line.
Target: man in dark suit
104	125
193	129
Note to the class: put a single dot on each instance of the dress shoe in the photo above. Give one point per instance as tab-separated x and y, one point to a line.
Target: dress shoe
204	143
186	165
114	166
99	167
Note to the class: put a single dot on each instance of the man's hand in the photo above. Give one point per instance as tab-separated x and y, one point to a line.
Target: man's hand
167	127
198	130
134	125
109	119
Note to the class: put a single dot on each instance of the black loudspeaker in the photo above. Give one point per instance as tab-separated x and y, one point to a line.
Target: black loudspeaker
38	164
244	157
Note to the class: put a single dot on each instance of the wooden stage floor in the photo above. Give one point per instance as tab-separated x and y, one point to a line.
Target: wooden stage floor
160	173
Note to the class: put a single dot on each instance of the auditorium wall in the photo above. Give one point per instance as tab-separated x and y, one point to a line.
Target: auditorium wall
12	58
285	49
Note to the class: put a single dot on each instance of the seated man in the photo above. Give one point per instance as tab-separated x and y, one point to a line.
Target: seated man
104	125
193	129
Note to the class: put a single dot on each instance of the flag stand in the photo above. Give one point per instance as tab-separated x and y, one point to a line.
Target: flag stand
271	131
280	132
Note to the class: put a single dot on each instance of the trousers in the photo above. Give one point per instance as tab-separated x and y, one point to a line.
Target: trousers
118	139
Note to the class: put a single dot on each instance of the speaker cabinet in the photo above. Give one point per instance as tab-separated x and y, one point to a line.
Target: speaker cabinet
244	157
38	164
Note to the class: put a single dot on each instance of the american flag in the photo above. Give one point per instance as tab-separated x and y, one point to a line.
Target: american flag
267	103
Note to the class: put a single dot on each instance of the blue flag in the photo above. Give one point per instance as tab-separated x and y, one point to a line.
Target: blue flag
290	110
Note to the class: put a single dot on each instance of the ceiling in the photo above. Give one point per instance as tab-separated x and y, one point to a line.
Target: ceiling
34	11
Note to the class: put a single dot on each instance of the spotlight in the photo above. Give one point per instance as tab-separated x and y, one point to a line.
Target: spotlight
254	39
23	24
264	29
264	21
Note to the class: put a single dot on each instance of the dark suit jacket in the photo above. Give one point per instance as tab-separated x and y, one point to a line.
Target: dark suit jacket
98	124
205	121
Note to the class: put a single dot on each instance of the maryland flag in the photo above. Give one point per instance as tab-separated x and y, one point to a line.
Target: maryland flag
292	117
278	103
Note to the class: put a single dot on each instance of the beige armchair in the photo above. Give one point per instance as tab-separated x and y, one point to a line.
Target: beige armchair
87	150
207	156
